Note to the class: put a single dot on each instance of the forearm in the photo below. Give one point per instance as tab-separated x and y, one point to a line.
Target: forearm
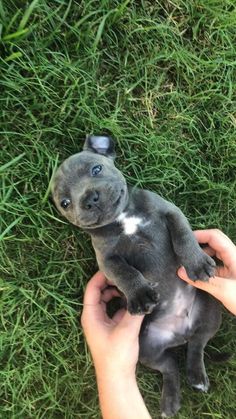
181	234
120	397
123	275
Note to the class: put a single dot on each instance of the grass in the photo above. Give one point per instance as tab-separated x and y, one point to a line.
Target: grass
161	77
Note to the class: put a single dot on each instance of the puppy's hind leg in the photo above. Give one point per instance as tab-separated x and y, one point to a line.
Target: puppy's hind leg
196	372
167	365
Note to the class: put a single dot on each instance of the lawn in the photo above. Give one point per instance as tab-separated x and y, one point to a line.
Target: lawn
160	76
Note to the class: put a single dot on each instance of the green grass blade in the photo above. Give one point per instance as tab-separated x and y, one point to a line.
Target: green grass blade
9	227
15	35
27	15
101	28
11	163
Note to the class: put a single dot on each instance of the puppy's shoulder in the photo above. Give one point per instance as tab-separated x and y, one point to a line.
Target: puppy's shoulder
148	201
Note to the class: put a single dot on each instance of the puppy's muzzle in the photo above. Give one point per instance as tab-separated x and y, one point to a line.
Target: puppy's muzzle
90	200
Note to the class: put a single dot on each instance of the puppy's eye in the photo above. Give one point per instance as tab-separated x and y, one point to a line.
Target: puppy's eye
65	203
96	169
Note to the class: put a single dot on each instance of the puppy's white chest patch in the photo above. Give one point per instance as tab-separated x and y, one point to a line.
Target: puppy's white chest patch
131	224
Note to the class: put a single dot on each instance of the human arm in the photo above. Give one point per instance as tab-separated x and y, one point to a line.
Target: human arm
114	347
223	285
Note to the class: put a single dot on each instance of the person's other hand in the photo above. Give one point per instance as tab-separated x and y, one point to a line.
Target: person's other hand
223	285
113	342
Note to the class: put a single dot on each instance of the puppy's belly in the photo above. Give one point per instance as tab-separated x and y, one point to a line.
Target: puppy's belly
169	331
172	323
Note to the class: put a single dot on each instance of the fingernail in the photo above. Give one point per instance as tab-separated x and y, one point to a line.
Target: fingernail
181	271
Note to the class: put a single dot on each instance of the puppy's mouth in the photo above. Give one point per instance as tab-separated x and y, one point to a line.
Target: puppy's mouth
117	201
105	213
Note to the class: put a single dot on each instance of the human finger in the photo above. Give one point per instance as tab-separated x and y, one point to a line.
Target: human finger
109	293
209	286
94	288
218	241
209	251
93	308
119	314
131	323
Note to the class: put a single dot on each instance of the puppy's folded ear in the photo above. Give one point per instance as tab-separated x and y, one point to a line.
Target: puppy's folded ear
101	144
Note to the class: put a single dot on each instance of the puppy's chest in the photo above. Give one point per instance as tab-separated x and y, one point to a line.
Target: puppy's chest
133	225
134	237
144	243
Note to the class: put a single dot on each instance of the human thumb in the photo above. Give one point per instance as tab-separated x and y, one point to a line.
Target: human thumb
210	286
131	322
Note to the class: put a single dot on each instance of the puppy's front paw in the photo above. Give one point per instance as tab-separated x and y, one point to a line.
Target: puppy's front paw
200	267
143	300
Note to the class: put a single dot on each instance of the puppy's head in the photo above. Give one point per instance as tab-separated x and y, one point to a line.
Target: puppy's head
87	188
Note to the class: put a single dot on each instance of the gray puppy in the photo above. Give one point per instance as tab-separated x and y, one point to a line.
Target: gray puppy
140	240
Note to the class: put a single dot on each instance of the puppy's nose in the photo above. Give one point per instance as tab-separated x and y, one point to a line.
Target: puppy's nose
90	199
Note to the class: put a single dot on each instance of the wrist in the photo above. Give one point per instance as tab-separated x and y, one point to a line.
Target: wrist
110	366
119	395
114	373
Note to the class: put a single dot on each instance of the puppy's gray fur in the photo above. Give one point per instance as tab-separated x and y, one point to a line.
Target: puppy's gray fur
140	240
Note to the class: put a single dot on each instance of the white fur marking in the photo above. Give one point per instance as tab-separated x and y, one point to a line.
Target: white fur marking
130	224
201	387
164	304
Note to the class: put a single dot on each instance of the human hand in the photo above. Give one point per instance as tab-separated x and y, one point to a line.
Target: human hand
223	285
114	347
113	342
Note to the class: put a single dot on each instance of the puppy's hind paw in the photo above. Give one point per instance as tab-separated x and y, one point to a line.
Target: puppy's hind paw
199	380
170	406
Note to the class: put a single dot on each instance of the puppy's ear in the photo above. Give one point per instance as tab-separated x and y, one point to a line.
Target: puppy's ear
101	144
